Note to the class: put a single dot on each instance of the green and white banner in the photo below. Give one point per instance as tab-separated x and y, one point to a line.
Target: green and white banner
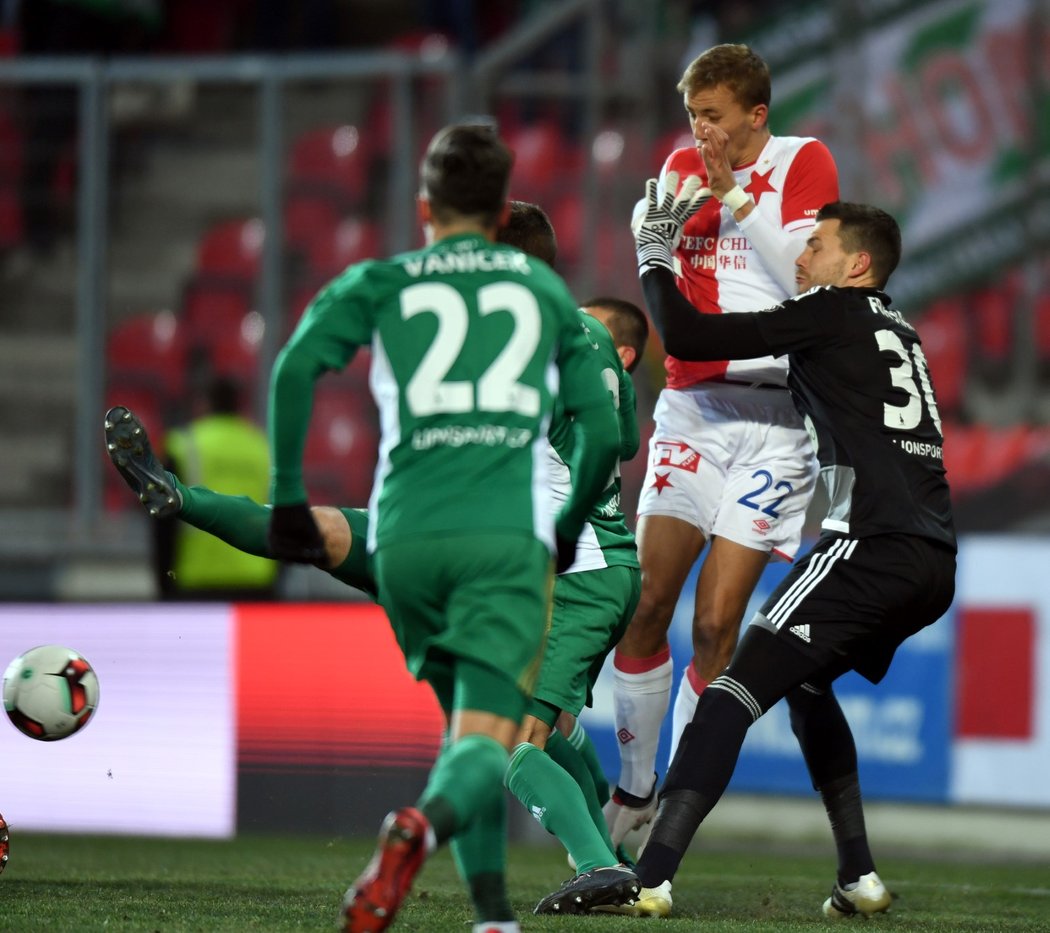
938	112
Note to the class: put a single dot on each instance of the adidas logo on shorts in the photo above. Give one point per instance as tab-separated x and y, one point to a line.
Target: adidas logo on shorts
802	631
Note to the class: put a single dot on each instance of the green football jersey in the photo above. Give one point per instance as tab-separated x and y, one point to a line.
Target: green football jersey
471	342
605	540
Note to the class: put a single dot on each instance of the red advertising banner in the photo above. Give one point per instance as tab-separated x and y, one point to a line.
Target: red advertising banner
324	686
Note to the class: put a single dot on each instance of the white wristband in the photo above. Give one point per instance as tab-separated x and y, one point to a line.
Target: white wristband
735	198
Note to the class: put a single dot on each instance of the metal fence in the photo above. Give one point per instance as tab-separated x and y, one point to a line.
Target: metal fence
935	110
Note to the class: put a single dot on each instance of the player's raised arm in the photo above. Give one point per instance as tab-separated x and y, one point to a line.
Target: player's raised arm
811	182
630	433
322	342
596	426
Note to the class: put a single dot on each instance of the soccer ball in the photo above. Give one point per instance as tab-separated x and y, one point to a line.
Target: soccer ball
50	692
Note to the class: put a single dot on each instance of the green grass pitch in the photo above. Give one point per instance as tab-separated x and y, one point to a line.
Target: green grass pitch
86	883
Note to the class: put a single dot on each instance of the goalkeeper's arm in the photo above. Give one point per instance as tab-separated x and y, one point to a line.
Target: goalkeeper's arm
689	335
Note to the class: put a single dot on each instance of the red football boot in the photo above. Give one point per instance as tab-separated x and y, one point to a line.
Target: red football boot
372	902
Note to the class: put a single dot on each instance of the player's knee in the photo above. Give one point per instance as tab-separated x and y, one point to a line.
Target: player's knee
715	633
534	731
335	532
646	635
655	608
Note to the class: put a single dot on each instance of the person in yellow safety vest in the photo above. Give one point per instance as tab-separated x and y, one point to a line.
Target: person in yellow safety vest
223	450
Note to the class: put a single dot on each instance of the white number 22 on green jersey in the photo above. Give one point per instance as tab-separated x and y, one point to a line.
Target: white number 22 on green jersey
498	387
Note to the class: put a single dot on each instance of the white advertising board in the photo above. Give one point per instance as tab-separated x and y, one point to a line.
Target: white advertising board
159	755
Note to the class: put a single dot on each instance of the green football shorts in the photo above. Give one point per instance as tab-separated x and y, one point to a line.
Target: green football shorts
484	597
591	612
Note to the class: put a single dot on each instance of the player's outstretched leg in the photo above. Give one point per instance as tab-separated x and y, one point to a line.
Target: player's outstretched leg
591	890
866	897
5	843
128	446
372	901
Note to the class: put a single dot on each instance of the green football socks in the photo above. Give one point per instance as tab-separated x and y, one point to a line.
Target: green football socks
480	853
462	783
463	801
563	753
551	795
581	741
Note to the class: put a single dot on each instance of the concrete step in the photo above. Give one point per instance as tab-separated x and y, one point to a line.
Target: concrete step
195	181
36	472
42	366
38	377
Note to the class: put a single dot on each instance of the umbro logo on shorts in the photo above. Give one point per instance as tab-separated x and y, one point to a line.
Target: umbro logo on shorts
801	630
625	736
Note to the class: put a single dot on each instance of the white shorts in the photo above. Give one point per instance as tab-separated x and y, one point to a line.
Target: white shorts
734	461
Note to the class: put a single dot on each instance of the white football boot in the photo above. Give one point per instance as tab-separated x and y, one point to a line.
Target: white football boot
650	902
867	896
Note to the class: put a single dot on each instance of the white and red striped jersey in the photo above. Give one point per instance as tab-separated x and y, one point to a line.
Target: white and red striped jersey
722	266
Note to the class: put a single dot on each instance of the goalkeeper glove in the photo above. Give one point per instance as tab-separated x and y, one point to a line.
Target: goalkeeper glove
659	217
293	535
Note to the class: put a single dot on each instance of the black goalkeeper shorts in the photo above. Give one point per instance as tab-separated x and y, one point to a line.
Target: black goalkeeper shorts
850	602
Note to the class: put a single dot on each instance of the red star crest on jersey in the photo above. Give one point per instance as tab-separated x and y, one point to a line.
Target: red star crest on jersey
759	185
661	482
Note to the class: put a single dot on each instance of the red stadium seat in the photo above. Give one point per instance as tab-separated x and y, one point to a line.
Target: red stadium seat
613	155
425	43
342	444
200	26
333	161
667	143
379	123
964	455
1007	450
349	242
211	306
231	249
1042	331
945	342
301	298
980	455
234	353
12	149
612	241
992	324
993	318
303	294
308	217
540	154
12	226
357	372
149	349
566	216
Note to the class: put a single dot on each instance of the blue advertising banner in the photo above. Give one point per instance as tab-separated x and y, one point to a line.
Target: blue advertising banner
902	727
